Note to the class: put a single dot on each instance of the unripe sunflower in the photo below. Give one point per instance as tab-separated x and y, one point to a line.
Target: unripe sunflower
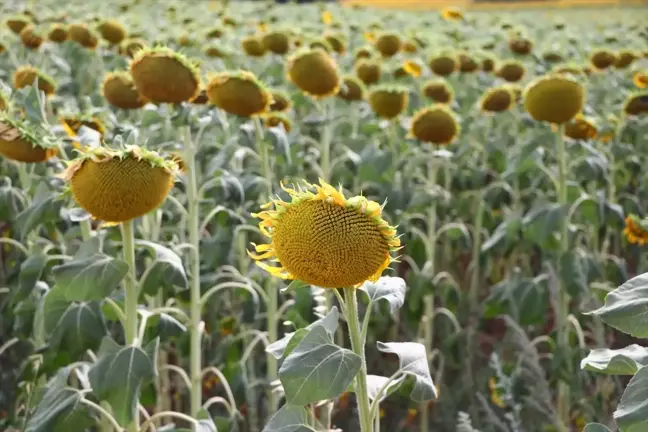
112	31
81	34
581	128
488	64
58	33
322	44
25	76
352	89
30	38
238	93
388	44
119	91
17	23
439	91
467	64
336	41
131	46
624	59
521	46
274	119
602	59
511	71
365	52
368	71
118	186
552	57
388	102
216	51
18	143
314	72
253	46
410	47
497	99
324	239
443	64
436	124
636	104
162	75
280	101
276	42
554	98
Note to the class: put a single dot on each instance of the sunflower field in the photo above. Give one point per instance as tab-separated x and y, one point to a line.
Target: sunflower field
251	216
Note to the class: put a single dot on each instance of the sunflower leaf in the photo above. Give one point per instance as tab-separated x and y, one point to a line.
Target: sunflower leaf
289	419
91	278
387	288
631	414
166	271
625	361
413	361
596	427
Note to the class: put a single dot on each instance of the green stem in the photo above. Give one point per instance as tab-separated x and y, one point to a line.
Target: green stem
86	229
194	239
477	229
130	298
327	132
355	334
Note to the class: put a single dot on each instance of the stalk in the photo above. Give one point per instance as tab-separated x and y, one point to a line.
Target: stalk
194	239
477	228
357	345
130	299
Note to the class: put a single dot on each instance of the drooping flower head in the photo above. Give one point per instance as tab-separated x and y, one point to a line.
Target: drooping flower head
21	143
324	239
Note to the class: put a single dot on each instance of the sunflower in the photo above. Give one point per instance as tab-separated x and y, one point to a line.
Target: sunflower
368	71
388	101
352	89
201	98
511	71
131	46
467	64
30	37
274	119
322	44
280	101
253	46
521	46
435	124
552	56
163	76
25	76
324	239
554	98
214	33
120	185
314	72
365	52
18	143
58	33
488	64
17	23
443	64
640	79
276	42
73	124
581	128
119	91
388	44
497	99
336	42
410	46
452	13
216	51
112	31
238	93
81	34
624	59
636	230
636	104
439	91
602	59
412	68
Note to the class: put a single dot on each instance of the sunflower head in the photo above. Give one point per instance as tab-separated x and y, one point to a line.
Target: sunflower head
581	128
412	68
364	52
131	46
336	41
444	64
30	37
274	119
521	46
253	46
636	230
368	71
314	72
25	76
497	99
636	104
19	143
58	33
625	58
322	44
554	98
467	63
388	101
438	90
324	239
436	124
552	56
568	69
516	89
112	31
215	33
162	75
17	23
352	89
640	79
410	46
238	93
280	101
602	59
276	42
119	91
388	44
81	34
120	185
511	71
488	64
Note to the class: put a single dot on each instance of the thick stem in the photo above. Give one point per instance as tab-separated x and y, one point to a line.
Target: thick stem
86	229
194	239
477	229
130	297
357	345
325	144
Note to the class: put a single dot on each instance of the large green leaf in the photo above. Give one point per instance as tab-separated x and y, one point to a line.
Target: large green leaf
596	427
289	419
626	308
166	271
391	289
31	271
375	384
79	328
119	373
624	361
413	361
91	278
329	322
58	400
631	414
317	369
574	271
45	207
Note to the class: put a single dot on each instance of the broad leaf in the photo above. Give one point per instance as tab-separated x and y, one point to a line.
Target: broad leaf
376	382
289	419
31	271
57	401
624	361
165	326
631	414
574	271
596	427
391	289
317	369
413	361
329	322
91	278
166	271
79	328
45	207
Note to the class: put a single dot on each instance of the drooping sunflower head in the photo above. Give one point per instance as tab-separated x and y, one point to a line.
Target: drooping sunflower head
162	75
552	56
276	42
388	44
410	46
444	64
17	23
131	46
569	69
25	76
368	71
364	52
511	71
31	37
81	34
636	230
20	143
521	45
636	104
581	128
497	99
239	93
488	63
625	58
467	63
388	101
336	41
274	119
324	239
120	185
280	101
602	59
352	89
112	31
436	124
438	90
321	43
119	91
640	79
554	98
58	33
314	72
253	46
516	89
